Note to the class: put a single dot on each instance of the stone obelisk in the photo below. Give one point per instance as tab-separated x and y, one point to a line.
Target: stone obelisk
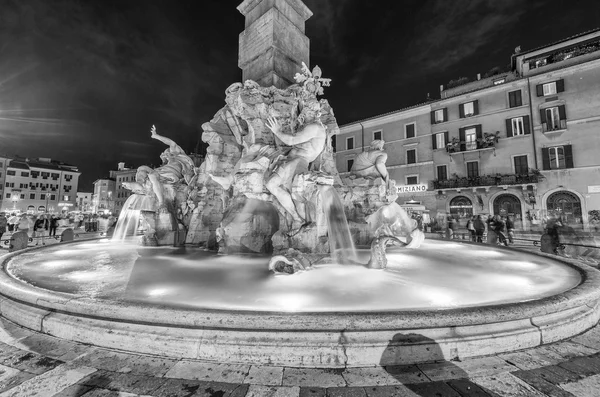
273	44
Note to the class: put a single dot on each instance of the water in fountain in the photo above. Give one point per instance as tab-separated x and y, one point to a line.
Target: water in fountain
129	218
341	244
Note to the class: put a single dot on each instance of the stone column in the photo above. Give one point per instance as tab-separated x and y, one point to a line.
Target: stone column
273	46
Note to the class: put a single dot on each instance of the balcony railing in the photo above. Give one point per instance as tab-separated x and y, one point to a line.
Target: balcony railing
489	141
486	180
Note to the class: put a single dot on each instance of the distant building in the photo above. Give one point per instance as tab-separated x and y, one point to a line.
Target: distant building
521	142
122	174
39	185
84	201
103	201
4	160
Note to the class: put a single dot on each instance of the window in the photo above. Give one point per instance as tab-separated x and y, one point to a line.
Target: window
549	88
7	195
521	167
557	157
42	196
514	99
349	163
350	143
32	196
553	118
411	156
468	109
412	180
472	169
517	126
471	138
10	172
499	81
439	140
22	196
409	130
26	174
377	135
442	172
439	116
52	197
65	198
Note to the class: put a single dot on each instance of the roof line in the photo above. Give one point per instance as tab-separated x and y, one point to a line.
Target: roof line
560	41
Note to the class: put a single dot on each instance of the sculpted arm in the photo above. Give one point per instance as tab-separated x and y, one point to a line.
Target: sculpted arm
309	132
167	141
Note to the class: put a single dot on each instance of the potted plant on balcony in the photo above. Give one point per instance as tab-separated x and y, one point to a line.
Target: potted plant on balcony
453	145
489	139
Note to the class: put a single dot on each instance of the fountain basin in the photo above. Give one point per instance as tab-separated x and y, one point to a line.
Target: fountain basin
299	337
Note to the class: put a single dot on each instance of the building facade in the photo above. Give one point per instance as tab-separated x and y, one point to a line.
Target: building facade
4	160
84	201
122	174
521	143
39	185
103	201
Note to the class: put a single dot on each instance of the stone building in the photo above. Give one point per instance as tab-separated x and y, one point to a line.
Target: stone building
103	200
518	143
122	174
84	201
39	185
4	160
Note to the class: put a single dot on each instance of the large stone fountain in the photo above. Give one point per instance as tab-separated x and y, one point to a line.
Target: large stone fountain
269	186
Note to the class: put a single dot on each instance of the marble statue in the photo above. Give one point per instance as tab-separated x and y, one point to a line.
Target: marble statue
307	144
371	163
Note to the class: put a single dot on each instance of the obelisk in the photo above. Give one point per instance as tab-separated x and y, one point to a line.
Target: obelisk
273	44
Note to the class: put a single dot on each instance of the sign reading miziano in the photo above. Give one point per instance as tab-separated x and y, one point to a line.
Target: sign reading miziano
411	188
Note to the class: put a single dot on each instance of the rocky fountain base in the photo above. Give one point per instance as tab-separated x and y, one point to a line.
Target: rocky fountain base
137	301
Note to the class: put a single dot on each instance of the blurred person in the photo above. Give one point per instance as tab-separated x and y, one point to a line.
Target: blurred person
24	224
500	230
3	224
450	226
510	229
492	237
39	229
479	227
13	221
471	228
53	225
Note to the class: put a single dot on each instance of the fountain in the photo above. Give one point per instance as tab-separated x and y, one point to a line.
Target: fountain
250	258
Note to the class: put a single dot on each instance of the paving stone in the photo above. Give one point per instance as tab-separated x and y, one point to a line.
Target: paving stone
218	389
14	379
390	391
583	365
569	349
588	387
346	392
106	393
442	371
433	389
231	373
405	374
312	392
179	388
272	391
507	385
41	343
11	333
99	378
135	384
368	376
541	384
124	362
556	374
68	351
484	366
35	363
13	356
50	382
75	390
529	359
466	388
264	375
312	377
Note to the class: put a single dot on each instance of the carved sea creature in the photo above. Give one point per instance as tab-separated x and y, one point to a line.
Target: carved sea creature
379	244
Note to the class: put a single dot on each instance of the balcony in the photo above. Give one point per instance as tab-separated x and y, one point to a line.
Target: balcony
487	180
489	141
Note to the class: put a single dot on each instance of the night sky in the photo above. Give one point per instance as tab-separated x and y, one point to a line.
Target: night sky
83	81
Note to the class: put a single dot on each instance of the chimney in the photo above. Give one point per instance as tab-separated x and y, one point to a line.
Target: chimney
478	76
441	87
121	166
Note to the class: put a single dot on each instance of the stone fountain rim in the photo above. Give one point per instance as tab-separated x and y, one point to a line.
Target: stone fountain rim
587	293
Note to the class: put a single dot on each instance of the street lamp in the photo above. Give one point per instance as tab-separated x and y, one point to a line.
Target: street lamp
14	199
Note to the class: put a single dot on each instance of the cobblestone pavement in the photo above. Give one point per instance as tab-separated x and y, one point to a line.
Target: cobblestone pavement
35	364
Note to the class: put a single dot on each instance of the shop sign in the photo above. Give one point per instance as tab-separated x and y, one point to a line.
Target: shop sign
594	189
65	204
412	188
413	207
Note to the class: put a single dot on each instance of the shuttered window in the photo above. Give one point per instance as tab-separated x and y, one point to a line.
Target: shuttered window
442	173
514	99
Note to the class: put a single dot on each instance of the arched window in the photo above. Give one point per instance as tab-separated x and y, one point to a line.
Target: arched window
507	204
564	205
461	207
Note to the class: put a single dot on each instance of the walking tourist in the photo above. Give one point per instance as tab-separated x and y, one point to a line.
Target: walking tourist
500	226
39	229
471	228
24	224
13	221
479	227
450	225
510	229
53	225
492	237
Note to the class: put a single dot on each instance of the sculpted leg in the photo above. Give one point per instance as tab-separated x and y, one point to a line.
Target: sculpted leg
157	188
274	185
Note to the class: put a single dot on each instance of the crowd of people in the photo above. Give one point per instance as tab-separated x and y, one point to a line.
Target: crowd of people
42	226
496	229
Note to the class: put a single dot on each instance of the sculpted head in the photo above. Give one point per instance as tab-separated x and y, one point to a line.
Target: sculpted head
377	144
